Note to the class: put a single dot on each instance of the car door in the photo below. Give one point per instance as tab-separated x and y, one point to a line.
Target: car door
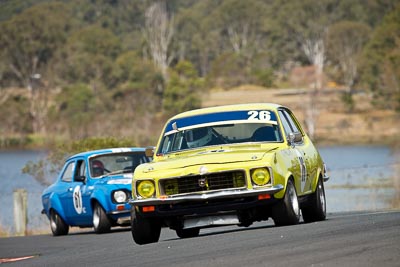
65	189
299	150
76	200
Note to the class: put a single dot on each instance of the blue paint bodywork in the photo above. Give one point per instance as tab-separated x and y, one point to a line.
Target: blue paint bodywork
77	189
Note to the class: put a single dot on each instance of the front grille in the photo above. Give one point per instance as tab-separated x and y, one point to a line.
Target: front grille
207	182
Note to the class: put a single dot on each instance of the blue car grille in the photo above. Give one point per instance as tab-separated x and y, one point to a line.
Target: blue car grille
207	182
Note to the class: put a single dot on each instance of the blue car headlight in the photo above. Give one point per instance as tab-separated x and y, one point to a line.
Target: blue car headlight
120	196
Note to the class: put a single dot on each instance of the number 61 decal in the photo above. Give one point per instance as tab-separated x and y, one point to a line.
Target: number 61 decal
262	115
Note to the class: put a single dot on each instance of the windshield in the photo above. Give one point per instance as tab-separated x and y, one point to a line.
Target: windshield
220	128
116	163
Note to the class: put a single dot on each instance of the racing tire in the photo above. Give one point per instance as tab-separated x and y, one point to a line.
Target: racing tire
101	222
144	230
315	207
287	210
187	233
57	224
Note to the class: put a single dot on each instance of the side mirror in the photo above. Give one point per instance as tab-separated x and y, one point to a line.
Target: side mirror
296	137
80	178
149	152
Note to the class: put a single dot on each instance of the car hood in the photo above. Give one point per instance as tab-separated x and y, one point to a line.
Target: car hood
120	179
220	156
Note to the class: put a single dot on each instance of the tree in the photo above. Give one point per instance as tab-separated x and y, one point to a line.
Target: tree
88	57
158	32
381	61
241	24
29	40
183	90
309	26
229	70
345	42
75	111
138	96
197	39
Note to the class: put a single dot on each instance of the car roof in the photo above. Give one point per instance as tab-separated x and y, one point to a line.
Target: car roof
251	106
107	151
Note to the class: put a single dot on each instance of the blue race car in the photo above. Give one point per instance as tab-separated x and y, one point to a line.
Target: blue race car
93	190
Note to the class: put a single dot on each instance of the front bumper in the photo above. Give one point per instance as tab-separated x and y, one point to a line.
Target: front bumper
226	194
121	217
326	177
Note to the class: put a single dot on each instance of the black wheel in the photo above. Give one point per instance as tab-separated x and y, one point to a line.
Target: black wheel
57	224
287	210
101	222
315	208
144	231
187	233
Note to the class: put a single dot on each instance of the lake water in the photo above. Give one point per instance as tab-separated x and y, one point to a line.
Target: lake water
361	178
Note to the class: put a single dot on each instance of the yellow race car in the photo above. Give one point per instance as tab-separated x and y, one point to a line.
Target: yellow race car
226	165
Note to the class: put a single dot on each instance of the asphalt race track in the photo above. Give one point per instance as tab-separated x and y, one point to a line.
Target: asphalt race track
352	239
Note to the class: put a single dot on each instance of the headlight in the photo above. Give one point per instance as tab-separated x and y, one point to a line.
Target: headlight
145	188
260	176
120	196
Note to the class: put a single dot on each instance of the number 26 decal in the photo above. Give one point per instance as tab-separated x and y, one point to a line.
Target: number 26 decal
262	115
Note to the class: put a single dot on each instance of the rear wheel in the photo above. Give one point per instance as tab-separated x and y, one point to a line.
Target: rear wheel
287	211
315	208
101	222
57	224
187	233
144	230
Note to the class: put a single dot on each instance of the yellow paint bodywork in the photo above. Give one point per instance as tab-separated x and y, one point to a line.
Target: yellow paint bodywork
279	157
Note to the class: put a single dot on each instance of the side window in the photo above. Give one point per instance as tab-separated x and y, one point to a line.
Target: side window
80	168
166	144
68	172
292	123
285	122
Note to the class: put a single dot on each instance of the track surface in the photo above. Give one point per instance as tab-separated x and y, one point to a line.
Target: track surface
353	239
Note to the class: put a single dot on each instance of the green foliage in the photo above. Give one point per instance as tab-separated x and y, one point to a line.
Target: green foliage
14	116
89	56
95	51
265	77
229	70
76	105
30	39
345	41
348	101
140	85
56	157
8	8
183	90
381	69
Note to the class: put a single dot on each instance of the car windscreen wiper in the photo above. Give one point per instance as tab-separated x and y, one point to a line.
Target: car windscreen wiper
112	173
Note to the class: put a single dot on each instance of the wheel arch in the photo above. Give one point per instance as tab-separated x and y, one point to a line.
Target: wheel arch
99	198
55	204
318	177
289	176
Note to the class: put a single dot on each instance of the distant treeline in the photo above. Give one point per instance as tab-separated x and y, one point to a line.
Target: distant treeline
75	69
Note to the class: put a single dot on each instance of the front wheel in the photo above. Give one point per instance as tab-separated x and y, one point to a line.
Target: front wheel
287	210
57	224
315	208
144	230
101	222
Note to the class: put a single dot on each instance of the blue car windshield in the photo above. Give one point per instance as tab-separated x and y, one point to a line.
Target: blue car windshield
229	127
116	163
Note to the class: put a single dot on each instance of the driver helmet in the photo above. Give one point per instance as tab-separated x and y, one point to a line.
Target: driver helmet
198	137
97	168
